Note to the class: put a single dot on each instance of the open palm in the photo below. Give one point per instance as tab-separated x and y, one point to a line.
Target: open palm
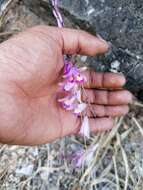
31	65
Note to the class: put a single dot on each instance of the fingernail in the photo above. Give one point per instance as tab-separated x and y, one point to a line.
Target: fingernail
99	36
130	98
105	42
122	79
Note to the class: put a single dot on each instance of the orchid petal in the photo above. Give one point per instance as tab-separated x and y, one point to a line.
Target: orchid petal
67	67
78	95
80	108
57	14
80	79
85	128
72	73
68	107
90	154
79	162
77	158
68	86
67	100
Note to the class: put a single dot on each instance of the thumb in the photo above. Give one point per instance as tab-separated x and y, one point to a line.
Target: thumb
73	41
81	42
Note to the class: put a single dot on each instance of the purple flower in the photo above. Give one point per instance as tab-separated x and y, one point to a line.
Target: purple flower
67	67
69	86
71	74
82	156
80	79
77	158
68	102
72	82
80	108
78	95
55	2
85	128
57	13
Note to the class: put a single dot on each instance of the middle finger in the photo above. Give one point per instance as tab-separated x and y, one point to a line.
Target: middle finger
104	97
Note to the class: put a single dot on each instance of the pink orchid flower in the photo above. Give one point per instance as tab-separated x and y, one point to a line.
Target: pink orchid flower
85	129
72	82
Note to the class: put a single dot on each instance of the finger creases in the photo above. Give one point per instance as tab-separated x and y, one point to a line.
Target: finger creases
104	111
103	80
101	124
81	42
104	97
73	41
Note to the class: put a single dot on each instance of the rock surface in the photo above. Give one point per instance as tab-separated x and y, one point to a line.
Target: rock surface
120	22
50	170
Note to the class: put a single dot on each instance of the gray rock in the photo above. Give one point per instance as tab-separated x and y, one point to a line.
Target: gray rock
120	22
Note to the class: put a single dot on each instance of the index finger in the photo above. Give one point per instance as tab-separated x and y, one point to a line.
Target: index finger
104	80
81	42
73	41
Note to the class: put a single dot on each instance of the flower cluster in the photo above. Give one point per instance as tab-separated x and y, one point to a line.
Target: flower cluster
72	84
73	81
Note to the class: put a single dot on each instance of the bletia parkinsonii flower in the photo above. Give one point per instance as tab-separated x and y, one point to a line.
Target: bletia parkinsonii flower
72	83
57	13
85	129
82	156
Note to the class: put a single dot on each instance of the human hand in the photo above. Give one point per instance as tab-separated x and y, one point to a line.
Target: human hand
31	65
